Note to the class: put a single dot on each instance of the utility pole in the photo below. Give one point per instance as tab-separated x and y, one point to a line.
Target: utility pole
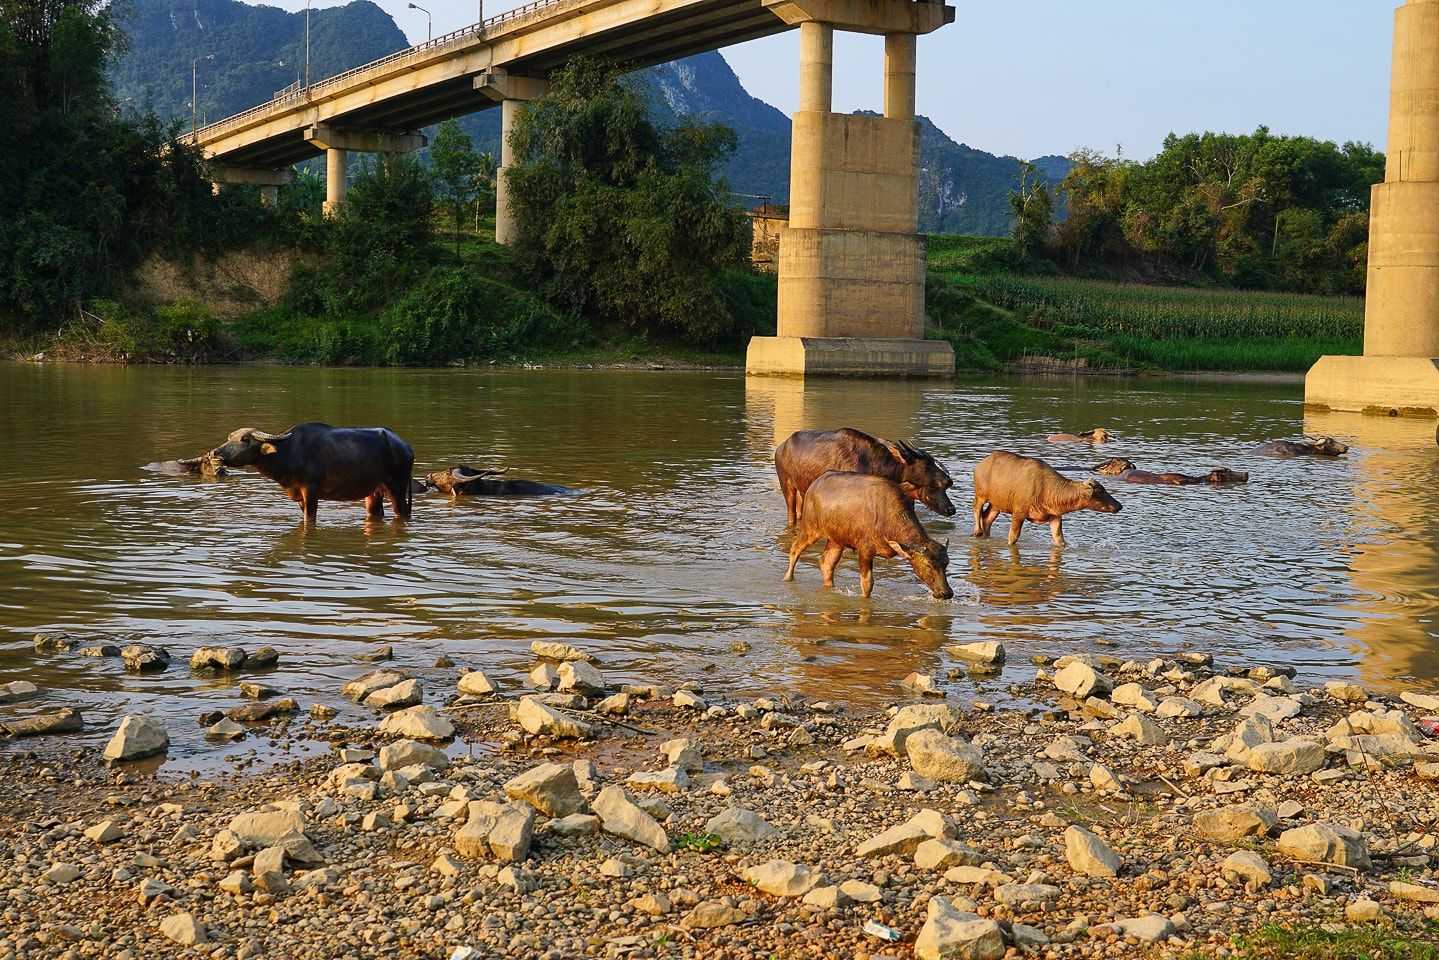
194	89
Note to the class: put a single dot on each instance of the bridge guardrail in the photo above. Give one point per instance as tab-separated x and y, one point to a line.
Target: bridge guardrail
297	89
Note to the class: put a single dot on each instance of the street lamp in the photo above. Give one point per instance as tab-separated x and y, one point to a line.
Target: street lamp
194	86
307	45
429	21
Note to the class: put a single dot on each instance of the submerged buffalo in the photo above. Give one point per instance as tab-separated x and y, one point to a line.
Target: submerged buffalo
315	461
205	465
465	481
806	454
1097	435
875	517
1323	447
1027	488
1218	476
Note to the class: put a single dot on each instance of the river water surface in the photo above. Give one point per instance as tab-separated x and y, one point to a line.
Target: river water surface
669	559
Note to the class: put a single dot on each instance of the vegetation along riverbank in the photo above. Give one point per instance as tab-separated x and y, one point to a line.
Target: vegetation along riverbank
1172	808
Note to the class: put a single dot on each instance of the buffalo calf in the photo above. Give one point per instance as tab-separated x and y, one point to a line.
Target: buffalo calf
1027	488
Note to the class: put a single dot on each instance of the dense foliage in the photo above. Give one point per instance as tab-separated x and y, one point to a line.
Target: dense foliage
1256	210
88	191
620	219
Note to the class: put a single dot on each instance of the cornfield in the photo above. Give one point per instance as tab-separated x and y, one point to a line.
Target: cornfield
1169	313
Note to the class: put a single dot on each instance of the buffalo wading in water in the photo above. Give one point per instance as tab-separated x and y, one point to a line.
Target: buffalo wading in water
806	454
873	516
315	461
1097	435
1027	488
465	481
205	465
1323	447
1219	476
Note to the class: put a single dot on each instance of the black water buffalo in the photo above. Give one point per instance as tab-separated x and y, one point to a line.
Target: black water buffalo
465	481
806	454
1323	447
315	461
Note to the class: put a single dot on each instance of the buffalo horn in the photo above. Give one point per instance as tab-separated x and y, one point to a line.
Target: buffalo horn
264	437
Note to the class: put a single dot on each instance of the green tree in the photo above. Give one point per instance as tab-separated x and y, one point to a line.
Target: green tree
618	218
1031	205
456	169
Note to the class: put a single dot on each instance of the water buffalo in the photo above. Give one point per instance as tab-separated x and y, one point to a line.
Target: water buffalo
1323	447
806	454
1097	435
204	465
465	481
1217	476
1027	488
874	516
1112	467
315	461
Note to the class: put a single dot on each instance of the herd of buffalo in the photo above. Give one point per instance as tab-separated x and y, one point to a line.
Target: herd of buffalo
842	486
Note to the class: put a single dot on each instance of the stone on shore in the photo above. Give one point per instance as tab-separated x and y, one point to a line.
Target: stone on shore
64	720
904	839
554	650
944	759
1293	757
737	824
137	737
551	788
1325	843
221	659
184	929
259	829
950	934
580	676
941	853
1139	727
145	657
1090	855
1246	866
409	753
358	690
539	719
406	693
476	684
984	651
621	817
1081	681
1236	822
418	723
781	878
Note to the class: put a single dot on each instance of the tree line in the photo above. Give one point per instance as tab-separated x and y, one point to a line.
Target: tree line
1250	210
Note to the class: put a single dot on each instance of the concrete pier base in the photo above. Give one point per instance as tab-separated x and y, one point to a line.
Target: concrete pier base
1387	386
849	357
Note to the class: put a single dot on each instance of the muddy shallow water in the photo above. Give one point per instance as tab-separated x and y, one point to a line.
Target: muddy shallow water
670	556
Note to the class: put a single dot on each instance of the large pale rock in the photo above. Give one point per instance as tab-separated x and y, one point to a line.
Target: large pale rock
1139	727
1149	929
418	723
950	934
358	690
1236	822
1015	894
739	824
668	780
1362	722
985	651
1346	692
550	788
184	929
406	693
1275	709
1248	734
64	720
223	659
476	684
554	650
711	914
1082	681
1294	757
1213	690
944	759
579	676
410	753
781	878
18	690
1090	855
1246	866
258	829
684	753
621	817
513	833
1377	745
1173	708
1325	843
941	853
137	737
145	657
904	839
539	719
910	719
1423	701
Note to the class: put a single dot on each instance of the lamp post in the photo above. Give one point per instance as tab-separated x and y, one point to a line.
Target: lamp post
307	45
429	21
194	89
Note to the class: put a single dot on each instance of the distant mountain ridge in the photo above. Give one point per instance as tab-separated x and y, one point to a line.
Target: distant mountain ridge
259	50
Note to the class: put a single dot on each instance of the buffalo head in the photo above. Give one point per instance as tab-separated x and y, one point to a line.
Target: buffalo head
246	446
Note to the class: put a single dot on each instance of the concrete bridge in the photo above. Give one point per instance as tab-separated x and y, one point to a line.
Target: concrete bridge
851	261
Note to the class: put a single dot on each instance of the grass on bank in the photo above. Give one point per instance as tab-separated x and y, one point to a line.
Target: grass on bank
475	311
1306	942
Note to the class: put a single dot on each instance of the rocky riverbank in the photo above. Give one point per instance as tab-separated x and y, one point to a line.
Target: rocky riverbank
1159	808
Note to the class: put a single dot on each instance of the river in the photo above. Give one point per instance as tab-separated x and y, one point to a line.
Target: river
667	564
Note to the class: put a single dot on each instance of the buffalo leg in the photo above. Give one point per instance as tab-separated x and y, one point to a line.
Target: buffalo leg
866	572
802	540
400	498
980	530
309	502
829	561
1015	526
375	505
1056	531
793	503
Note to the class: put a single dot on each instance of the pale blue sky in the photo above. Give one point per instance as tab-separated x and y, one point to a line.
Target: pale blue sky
1047	76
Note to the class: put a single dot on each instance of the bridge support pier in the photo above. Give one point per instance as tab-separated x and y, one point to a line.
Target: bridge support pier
269	181
337	144
1399	371
510	90
851	260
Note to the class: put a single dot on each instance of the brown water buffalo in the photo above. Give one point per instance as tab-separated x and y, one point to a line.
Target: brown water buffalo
465	481
1097	435
1027	488
315	461
875	517
1323	447
806	454
204	466
1217	476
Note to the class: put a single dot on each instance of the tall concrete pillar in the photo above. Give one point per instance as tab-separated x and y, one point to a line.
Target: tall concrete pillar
1399	371
269	196
510	91
337	144
851	261
336	180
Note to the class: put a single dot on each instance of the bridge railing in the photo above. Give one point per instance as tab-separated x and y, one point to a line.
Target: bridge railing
298	90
